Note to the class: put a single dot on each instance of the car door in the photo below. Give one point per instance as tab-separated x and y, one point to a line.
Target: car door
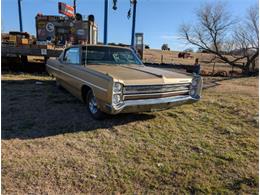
69	65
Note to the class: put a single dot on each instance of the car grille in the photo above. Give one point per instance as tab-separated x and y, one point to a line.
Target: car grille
155	91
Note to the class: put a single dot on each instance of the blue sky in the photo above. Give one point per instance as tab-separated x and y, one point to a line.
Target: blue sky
159	20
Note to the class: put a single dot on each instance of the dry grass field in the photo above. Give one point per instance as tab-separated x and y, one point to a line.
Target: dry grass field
51	145
155	56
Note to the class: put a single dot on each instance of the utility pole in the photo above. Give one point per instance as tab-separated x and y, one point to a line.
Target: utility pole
20	15
74	6
105	21
133	23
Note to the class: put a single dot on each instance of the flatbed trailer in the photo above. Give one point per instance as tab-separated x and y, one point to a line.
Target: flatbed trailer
23	51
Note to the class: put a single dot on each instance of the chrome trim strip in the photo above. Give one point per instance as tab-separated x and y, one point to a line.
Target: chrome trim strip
156	91
102	89
154	94
155	88
160	85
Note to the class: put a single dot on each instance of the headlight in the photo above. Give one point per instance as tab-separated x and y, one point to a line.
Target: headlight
117	87
192	92
116	99
194	83
117	93
195	87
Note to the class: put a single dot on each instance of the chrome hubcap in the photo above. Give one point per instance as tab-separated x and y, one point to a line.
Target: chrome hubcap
92	105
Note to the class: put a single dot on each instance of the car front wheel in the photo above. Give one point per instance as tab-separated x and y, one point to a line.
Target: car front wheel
92	106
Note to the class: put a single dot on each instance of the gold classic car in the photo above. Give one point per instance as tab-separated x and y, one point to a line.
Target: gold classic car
112	80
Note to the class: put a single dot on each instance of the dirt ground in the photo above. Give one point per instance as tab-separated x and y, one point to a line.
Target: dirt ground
51	145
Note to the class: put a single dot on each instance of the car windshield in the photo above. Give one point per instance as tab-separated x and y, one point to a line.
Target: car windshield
109	55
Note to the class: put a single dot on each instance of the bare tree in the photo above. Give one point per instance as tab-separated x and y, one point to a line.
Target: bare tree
246	38
218	33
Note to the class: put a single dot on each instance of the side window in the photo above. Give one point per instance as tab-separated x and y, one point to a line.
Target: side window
71	56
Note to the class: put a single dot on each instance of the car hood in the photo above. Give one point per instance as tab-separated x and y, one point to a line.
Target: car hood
140	74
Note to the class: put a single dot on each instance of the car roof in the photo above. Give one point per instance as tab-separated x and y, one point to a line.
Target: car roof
99	45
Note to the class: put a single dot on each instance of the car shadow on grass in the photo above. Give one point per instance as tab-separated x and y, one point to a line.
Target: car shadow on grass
37	108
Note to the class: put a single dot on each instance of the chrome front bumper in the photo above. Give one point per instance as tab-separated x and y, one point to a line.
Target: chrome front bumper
145	105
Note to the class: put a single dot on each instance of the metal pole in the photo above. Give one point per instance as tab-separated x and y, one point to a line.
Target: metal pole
105	22
74	5
133	24
20	15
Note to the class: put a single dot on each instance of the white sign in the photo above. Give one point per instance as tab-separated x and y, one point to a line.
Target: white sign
41	43
80	32
44	52
50	27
